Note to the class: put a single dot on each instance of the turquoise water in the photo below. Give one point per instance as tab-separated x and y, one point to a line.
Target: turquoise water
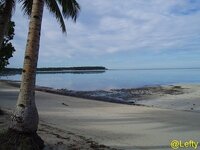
115	79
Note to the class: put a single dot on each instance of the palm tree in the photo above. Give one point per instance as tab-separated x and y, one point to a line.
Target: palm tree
25	117
7	8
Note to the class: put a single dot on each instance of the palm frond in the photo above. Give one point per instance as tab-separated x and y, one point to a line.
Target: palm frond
55	10
70	8
2	2
7	4
13	5
26	6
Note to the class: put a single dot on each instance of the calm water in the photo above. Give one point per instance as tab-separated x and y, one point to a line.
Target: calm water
115	79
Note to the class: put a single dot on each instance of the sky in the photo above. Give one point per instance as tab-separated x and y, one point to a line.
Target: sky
118	34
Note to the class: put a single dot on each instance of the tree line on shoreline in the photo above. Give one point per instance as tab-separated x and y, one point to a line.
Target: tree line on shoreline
54	69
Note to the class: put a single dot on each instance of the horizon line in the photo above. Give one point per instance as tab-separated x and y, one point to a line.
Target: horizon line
156	68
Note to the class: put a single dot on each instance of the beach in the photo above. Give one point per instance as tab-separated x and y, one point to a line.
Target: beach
151	122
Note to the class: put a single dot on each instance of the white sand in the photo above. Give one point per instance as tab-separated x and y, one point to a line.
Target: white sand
189	101
115	125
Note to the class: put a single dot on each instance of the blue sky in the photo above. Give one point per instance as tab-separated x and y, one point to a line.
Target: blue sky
118	34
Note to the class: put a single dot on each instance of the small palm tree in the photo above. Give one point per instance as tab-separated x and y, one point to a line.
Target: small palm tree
25	117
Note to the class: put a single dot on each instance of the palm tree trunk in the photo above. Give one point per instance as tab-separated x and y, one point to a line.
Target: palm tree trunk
25	117
5	16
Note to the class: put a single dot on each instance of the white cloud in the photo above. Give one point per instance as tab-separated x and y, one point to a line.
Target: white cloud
112	26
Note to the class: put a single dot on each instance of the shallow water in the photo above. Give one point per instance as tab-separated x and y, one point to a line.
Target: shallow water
115	79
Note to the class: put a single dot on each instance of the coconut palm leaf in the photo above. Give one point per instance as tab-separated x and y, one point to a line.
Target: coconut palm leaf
4	4
55	10
70	8
26	6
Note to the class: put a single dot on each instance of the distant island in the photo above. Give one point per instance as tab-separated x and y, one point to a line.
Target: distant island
82	69
72	68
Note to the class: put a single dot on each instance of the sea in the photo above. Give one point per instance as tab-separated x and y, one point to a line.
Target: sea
113	78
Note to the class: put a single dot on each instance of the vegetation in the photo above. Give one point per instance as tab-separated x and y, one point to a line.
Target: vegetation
6	9
72	68
7	49
24	120
9	71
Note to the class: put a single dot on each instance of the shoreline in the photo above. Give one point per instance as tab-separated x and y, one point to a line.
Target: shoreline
112	95
148	96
